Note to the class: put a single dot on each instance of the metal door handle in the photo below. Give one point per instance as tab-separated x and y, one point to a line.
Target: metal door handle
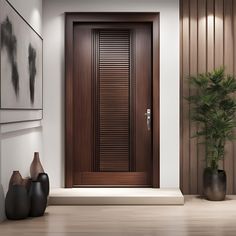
148	116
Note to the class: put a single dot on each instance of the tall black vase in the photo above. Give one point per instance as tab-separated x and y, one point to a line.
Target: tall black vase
43	178
38	199
214	184
17	203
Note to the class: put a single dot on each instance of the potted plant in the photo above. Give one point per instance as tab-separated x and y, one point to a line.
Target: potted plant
213	107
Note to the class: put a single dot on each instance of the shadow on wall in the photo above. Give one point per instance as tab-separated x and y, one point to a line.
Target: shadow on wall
2	204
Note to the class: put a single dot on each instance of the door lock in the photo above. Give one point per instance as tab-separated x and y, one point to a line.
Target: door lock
148	116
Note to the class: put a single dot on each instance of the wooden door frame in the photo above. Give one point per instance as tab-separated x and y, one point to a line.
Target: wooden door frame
103	17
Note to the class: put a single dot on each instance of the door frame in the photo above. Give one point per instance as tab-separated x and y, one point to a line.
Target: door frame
104	17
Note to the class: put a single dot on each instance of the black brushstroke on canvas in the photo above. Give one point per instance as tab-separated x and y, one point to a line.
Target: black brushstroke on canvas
32	70
9	41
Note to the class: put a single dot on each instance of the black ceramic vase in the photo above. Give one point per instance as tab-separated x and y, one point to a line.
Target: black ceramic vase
26	182
43	178
38	199
17	203
214	184
16	179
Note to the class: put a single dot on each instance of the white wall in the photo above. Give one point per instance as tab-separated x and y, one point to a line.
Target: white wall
19	141
31	10
53	31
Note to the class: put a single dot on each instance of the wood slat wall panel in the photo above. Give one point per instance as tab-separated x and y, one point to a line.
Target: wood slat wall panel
234	51
113	96
185	106
219	33
208	40
210	34
181	89
193	70
202	53
219	40
228	61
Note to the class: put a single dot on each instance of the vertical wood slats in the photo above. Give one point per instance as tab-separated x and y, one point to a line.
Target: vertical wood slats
208	40
113	96
201	61
234	67
219	40
193	68
185	106
228	60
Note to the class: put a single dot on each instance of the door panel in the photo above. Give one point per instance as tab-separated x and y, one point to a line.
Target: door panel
113	178
83	114
142	98
112	91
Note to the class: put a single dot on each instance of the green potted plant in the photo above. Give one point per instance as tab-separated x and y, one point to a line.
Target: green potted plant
213	107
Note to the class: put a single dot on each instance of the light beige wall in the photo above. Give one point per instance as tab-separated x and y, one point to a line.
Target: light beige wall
31	10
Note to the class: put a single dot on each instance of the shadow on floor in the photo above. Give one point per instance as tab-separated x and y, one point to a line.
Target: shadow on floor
227	198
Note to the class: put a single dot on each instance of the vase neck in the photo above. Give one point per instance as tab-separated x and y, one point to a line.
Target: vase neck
36	156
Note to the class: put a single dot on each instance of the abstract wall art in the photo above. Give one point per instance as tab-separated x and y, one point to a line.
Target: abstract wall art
21	68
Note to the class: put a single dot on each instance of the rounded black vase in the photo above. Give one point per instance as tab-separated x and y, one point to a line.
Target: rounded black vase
43	178
17	203
38	199
214	184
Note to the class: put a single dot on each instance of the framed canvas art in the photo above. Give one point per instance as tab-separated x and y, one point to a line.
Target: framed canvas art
21	74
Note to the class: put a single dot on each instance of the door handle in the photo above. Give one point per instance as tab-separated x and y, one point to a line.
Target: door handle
148	117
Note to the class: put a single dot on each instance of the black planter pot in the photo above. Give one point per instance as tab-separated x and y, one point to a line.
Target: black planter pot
43	178
214	184
17	203
38	199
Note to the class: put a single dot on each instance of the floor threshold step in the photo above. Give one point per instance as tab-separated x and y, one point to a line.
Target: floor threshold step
115	196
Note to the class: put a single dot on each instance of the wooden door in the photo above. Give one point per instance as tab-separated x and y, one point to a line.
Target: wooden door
112	92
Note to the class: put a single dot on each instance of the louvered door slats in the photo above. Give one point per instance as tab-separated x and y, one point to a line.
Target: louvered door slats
113	82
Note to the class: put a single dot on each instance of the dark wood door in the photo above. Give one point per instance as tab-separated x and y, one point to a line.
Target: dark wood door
112	91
